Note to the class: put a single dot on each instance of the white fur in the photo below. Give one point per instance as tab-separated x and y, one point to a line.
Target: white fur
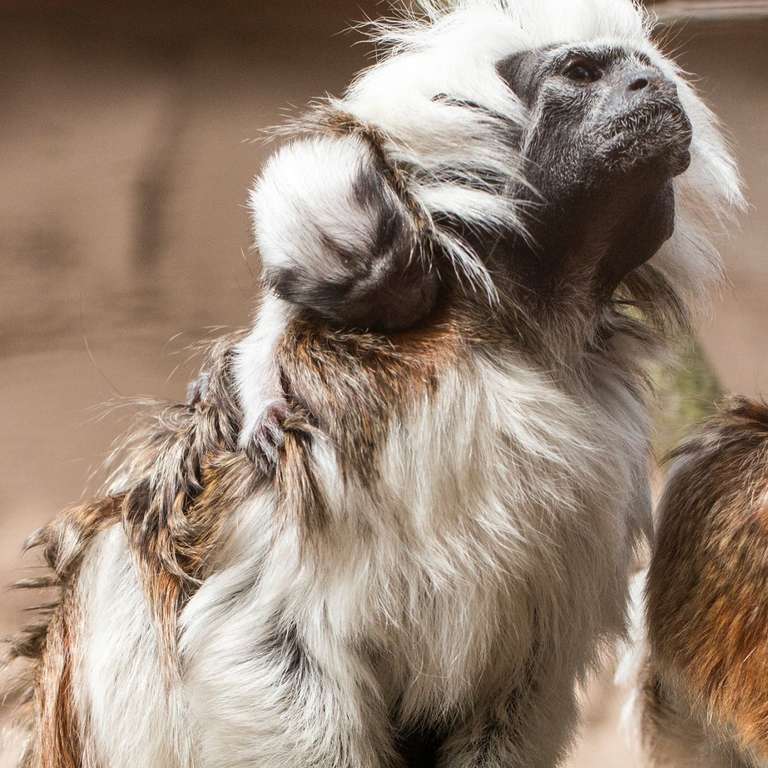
305	194
632	655
452	51
257	375
502	522
502	495
130	706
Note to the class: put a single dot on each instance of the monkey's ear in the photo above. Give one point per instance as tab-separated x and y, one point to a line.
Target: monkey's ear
520	72
335	238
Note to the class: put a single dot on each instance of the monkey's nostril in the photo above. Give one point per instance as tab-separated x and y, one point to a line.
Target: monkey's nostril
638	84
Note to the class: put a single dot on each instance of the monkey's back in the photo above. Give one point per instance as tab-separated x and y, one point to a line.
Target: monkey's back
438	509
708	590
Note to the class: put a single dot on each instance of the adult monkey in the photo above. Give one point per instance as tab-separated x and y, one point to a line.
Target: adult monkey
393	523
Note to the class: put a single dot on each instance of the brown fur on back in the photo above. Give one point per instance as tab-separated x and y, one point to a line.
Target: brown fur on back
708	588
177	476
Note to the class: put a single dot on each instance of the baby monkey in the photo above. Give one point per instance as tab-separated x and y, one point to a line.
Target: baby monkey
393	525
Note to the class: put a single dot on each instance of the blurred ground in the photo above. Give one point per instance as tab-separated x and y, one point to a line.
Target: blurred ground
126	156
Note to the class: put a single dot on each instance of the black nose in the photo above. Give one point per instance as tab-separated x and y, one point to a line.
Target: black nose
639	80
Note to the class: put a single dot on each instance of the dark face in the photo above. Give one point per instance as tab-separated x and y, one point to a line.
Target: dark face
607	135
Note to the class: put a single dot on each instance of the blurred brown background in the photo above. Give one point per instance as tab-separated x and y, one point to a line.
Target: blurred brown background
126	143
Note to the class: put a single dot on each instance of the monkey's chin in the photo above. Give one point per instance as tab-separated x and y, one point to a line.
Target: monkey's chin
655	141
655	156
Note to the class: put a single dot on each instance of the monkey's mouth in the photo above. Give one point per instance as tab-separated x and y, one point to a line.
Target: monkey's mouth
657	137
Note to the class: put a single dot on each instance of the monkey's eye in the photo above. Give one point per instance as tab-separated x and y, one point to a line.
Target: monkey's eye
582	71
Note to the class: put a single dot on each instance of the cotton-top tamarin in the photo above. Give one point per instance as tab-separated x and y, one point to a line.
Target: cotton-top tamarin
394	522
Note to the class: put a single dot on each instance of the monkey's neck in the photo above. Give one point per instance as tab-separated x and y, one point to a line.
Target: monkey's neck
580	250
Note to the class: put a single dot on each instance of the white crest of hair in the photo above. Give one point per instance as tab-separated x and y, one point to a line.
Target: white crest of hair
459	163
446	115
453	47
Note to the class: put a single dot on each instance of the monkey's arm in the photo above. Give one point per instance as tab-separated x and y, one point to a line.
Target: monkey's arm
335	238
